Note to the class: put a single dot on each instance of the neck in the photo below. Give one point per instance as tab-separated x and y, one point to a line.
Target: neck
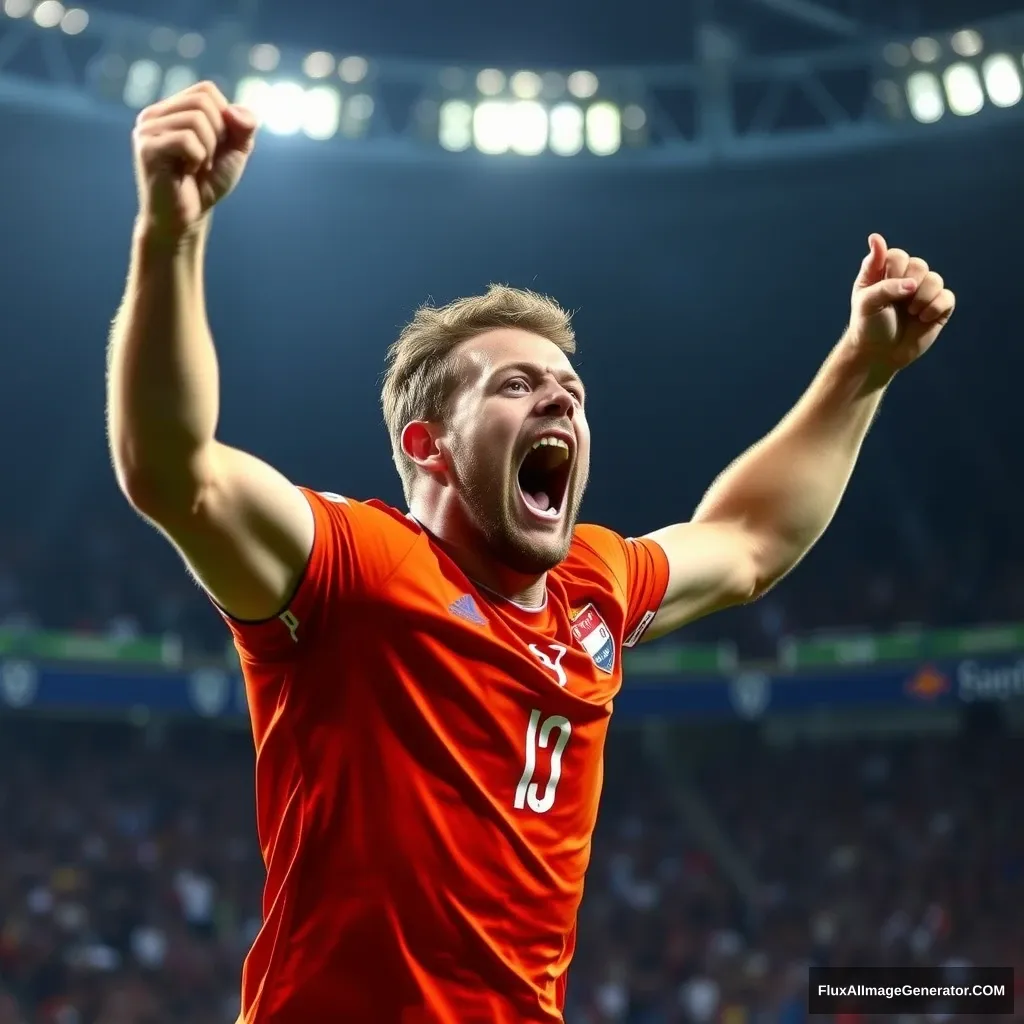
532	596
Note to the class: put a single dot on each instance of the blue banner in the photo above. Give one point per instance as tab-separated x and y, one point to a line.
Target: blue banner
218	693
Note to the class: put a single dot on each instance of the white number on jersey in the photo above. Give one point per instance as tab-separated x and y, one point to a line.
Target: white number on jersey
538	737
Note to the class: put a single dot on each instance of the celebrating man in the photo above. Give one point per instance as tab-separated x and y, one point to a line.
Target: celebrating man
430	690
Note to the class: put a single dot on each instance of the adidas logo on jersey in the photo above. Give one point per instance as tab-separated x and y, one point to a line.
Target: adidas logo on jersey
465	608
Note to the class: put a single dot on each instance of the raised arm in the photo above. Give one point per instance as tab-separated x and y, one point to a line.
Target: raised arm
243	529
766	511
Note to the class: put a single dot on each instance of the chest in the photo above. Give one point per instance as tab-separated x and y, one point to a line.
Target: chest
568	652
519	709
495	700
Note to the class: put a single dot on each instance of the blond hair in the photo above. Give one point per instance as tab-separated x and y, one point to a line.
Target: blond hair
421	372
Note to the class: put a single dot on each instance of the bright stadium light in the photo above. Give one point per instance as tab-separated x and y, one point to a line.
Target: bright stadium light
526	85
566	132
318	65
74	22
604	129
582	84
177	78
924	96
491	127
264	57
926	50
1002	80
321	112
250	92
353	69
490	82
48	14
528	128
967	42
142	83
284	109
455	125
963	89
17	8
280	107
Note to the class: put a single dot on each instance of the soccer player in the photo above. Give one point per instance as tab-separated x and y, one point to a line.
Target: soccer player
430	690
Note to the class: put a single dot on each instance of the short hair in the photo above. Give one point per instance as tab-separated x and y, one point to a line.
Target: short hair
421	375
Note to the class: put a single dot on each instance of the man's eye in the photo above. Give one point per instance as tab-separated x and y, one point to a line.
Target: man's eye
517	384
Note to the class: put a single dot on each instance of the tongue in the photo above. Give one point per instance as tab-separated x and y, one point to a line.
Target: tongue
539	500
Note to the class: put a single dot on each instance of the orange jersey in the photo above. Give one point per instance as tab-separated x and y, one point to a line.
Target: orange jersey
429	764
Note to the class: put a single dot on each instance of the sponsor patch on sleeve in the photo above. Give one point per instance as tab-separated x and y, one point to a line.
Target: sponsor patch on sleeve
638	632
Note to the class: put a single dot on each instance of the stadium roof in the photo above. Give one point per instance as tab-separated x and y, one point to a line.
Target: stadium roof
571	30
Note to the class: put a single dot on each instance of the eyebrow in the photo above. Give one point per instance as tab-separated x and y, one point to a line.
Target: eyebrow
532	370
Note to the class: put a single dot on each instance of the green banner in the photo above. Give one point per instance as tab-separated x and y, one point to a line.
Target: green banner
663	659
668	659
50	646
907	645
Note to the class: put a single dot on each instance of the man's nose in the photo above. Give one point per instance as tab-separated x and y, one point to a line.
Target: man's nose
558	402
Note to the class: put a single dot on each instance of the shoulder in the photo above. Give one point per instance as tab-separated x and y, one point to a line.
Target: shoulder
363	542
371	511
632	572
356	517
598	548
596	556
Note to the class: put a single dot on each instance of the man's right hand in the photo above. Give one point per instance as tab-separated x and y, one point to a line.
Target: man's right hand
190	151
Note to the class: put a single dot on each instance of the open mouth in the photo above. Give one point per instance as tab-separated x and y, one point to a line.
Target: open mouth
544	476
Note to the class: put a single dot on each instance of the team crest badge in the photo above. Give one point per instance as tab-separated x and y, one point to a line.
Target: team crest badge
591	633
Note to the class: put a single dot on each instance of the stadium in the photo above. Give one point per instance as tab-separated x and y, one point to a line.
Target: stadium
823	779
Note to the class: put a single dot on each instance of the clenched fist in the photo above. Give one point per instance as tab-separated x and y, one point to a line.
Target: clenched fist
899	307
190	151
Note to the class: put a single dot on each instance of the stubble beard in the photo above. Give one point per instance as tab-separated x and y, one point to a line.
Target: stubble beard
489	506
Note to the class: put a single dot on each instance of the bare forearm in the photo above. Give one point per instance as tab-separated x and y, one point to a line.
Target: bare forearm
785	490
162	379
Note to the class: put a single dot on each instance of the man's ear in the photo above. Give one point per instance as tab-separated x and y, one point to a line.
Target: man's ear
419	443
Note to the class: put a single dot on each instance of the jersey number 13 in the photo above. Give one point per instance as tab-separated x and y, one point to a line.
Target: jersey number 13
541	734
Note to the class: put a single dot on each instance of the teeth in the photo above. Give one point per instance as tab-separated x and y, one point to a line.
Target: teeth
549	442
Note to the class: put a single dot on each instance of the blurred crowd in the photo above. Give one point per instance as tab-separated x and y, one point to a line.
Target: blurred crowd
115	576
130	877
902	853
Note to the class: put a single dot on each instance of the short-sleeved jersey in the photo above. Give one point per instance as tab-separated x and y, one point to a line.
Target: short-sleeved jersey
429	763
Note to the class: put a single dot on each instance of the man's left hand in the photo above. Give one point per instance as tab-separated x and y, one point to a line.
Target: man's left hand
898	307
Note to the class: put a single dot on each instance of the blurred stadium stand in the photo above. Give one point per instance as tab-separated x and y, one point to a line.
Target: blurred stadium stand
826	776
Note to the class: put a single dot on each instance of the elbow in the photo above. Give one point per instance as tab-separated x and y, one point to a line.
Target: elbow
753	586
744	582
769	566
157	488
135	478
139	487
767	562
138	490
760	588
130	481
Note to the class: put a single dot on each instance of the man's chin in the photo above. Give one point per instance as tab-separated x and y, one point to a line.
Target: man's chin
522	542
